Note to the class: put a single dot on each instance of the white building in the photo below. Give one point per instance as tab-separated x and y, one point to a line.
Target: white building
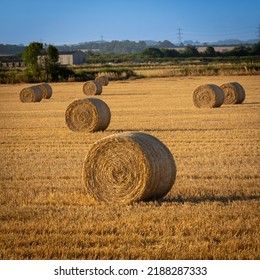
71	58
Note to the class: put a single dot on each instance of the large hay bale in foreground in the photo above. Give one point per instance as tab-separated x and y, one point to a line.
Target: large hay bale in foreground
92	88
46	90
208	96
31	94
89	114
234	93
103	80
128	167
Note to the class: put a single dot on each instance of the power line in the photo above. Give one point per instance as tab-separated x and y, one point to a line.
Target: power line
179	36
202	35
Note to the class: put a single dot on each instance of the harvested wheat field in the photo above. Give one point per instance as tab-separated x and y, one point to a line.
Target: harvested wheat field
211	212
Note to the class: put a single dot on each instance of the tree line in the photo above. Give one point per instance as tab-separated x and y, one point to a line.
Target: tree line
192	51
116	47
131	47
103	47
42	64
169	54
42	61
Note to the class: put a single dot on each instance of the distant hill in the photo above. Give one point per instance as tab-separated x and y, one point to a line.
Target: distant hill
10	49
123	47
227	42
151	42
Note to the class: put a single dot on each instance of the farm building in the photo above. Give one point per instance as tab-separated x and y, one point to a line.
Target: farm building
73	57
11	61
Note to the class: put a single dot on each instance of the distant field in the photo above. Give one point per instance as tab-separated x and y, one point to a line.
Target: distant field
212	211
216	48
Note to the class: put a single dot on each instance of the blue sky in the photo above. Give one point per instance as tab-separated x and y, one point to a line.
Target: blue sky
74	21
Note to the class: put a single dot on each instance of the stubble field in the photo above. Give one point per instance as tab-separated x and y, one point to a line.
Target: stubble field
212	211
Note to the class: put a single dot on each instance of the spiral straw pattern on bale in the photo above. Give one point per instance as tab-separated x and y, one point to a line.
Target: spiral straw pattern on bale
128	167
31	94
208	96
46	91
234	93
103	80
89	114
92	88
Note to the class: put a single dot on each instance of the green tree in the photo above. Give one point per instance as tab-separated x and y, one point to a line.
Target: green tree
53	54
239	51
191	51
51	66
210	51
256	49
31	56
170	53
152	53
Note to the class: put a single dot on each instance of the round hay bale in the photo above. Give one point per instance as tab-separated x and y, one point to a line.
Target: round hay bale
92	88
89	114
128	167
234	93
208	96
46	90
31	94
103	80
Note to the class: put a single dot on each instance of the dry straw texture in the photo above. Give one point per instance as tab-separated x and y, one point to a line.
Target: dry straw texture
234	93
208	96
46	90
89	114
128	167
103	80
92	88
44	210
31	94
